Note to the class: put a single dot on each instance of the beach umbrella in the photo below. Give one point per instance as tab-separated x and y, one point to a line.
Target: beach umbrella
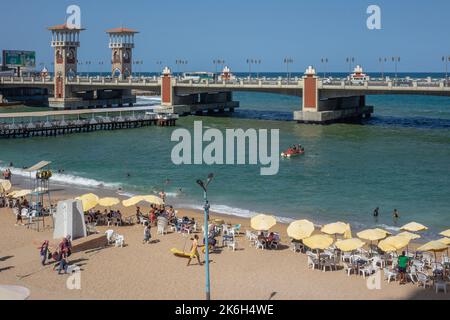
393	243
88	200
413	227
318	241
349	245
136	199
410	235
385	231
300	229
132	201
335	228
153	200
445	241
262	222
21	193
433	246
108	202
445	233
372	234
348	232
5	185
13	293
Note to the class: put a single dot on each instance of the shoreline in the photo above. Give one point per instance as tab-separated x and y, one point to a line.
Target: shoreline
65	191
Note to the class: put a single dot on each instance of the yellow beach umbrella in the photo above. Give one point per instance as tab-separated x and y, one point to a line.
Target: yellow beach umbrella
372	234
410	235
433	246
335	228
132	201
414	226
153	199
262	222
393	243
300	229
108	202
348	232
318	241
445	233
384	231
88	200
445	241
5	185
349	245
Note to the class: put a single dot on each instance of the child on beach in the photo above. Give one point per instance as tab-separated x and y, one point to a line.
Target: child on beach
44	251
147	233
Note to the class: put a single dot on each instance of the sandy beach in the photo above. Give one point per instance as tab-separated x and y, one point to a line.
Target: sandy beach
150	271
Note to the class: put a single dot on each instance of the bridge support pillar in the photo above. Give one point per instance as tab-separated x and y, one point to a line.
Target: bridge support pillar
321	109
167	92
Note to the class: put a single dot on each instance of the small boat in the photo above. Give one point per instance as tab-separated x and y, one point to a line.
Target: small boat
292	153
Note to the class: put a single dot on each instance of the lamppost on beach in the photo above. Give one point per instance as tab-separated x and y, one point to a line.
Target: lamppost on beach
396	60
88	64
204	186
445	60
217	62
258	63
250	62
382	61
100	66
287	61
324	63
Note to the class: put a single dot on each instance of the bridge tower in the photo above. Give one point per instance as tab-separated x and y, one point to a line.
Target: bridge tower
65	41
121	42
167	94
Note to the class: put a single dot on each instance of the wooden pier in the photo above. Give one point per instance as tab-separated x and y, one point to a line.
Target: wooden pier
54	123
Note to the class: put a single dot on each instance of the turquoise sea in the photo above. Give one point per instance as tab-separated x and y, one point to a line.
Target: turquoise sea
398	159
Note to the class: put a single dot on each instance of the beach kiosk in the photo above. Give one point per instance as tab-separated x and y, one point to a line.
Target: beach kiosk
69	220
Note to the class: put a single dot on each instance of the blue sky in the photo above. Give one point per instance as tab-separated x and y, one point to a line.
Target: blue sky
201	30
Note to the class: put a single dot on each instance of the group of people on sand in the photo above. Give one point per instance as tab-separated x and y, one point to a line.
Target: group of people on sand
155	212
60	255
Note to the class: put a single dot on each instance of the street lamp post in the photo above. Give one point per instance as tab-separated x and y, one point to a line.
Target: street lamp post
287	61
217	62
324	63
204	186
445	60
178	63
350	60
396	60
382	62
158	66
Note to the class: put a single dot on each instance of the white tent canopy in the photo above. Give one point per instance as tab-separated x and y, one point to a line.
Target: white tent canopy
38	166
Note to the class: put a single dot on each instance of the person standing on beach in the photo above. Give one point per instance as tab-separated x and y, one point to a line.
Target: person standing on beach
44	251
403	262
194	251
147	233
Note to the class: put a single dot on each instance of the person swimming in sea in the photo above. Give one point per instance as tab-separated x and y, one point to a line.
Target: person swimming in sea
395	214
376	212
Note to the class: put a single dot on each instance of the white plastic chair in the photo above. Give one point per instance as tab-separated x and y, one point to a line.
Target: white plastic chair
440	285
390	274
120	241
348	268
423	280
232	245
259	245
110	236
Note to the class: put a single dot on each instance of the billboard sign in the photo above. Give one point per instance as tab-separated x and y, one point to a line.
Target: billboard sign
16	58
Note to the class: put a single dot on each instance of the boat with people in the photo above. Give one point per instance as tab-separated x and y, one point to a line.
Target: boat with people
293	151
